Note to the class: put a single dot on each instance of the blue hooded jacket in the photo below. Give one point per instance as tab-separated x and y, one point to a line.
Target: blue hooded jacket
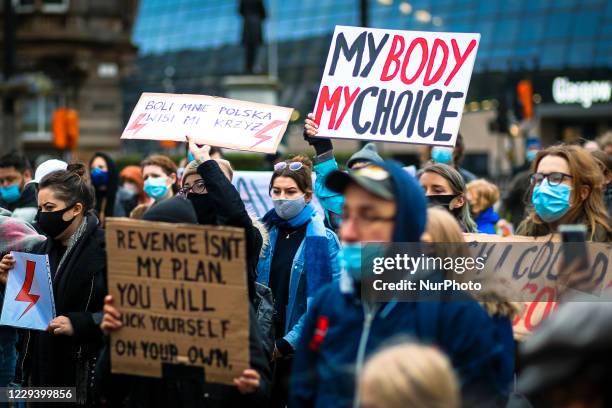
340	331
486	221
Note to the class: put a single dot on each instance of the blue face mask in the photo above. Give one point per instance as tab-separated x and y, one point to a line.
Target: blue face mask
156	188
353	253
11	193
99	177
551	202
190	157
530	155
350	259
287	209
442	155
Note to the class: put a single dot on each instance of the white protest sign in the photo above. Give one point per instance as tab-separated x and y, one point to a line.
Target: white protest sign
395	86
253	188
210	120
28	299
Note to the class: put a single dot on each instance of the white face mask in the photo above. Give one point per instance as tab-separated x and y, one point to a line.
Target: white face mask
130	188
287	209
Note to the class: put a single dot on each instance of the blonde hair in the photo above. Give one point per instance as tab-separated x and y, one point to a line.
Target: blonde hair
410	376
605	140
442	227
224	165
139	210
485	194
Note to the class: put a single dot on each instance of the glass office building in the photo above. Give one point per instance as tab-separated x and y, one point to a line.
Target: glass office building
563	46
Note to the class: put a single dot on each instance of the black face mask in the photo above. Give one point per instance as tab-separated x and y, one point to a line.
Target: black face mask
444	200
204	208
52	223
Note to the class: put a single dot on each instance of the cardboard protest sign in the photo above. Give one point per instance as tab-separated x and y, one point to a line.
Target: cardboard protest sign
253	187
28	298
531	268
209	120
182	291
395	86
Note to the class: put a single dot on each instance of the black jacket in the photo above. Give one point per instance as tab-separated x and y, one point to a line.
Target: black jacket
79	287
516	203
232	212
27	200
108	196
184	386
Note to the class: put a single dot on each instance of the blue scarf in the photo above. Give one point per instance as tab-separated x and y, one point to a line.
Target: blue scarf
317	263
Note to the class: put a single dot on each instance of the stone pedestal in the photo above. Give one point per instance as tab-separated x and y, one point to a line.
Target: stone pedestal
252	88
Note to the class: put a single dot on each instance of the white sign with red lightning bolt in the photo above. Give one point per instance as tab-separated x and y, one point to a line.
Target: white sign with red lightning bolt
28	298
209	120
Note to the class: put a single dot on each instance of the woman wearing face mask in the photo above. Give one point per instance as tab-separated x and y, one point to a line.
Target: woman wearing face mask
130	193
301	257
65	354
159	174
566	189
445	187
104	177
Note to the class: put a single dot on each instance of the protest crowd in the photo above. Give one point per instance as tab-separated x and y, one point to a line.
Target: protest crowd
320	345
285	291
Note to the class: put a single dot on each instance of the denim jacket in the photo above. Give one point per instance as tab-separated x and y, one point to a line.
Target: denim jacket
299	300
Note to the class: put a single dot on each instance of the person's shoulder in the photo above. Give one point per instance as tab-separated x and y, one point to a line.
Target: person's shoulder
332	236
466	311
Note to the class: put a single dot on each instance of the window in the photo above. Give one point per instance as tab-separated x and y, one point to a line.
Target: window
531	30
24	6
36	113
553	56
55	6
581	54
558	25
586	24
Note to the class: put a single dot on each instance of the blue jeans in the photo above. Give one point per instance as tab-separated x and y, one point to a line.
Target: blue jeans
8	355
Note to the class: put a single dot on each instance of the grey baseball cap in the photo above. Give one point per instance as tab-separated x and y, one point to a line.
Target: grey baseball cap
372	178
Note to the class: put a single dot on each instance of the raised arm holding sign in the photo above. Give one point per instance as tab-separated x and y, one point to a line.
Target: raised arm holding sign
395	86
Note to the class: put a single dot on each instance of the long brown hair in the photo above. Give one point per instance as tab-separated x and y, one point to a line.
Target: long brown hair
585	172
457	184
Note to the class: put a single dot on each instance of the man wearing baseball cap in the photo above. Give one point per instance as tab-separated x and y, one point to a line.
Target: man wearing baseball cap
384	204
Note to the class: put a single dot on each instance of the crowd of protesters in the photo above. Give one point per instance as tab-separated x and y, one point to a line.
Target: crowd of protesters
314	340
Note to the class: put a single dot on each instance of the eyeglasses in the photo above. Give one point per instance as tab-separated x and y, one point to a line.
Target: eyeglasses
199	187
362	222
554	179
293	166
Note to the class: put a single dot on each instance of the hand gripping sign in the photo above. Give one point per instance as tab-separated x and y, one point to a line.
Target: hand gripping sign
209	120
28	299
395	86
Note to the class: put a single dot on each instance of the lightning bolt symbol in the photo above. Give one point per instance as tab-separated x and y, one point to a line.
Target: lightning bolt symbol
24	294
136	125
261	136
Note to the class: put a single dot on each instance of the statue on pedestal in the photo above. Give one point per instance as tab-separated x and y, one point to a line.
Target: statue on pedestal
253	13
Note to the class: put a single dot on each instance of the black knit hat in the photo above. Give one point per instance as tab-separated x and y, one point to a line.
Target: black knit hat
175	210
